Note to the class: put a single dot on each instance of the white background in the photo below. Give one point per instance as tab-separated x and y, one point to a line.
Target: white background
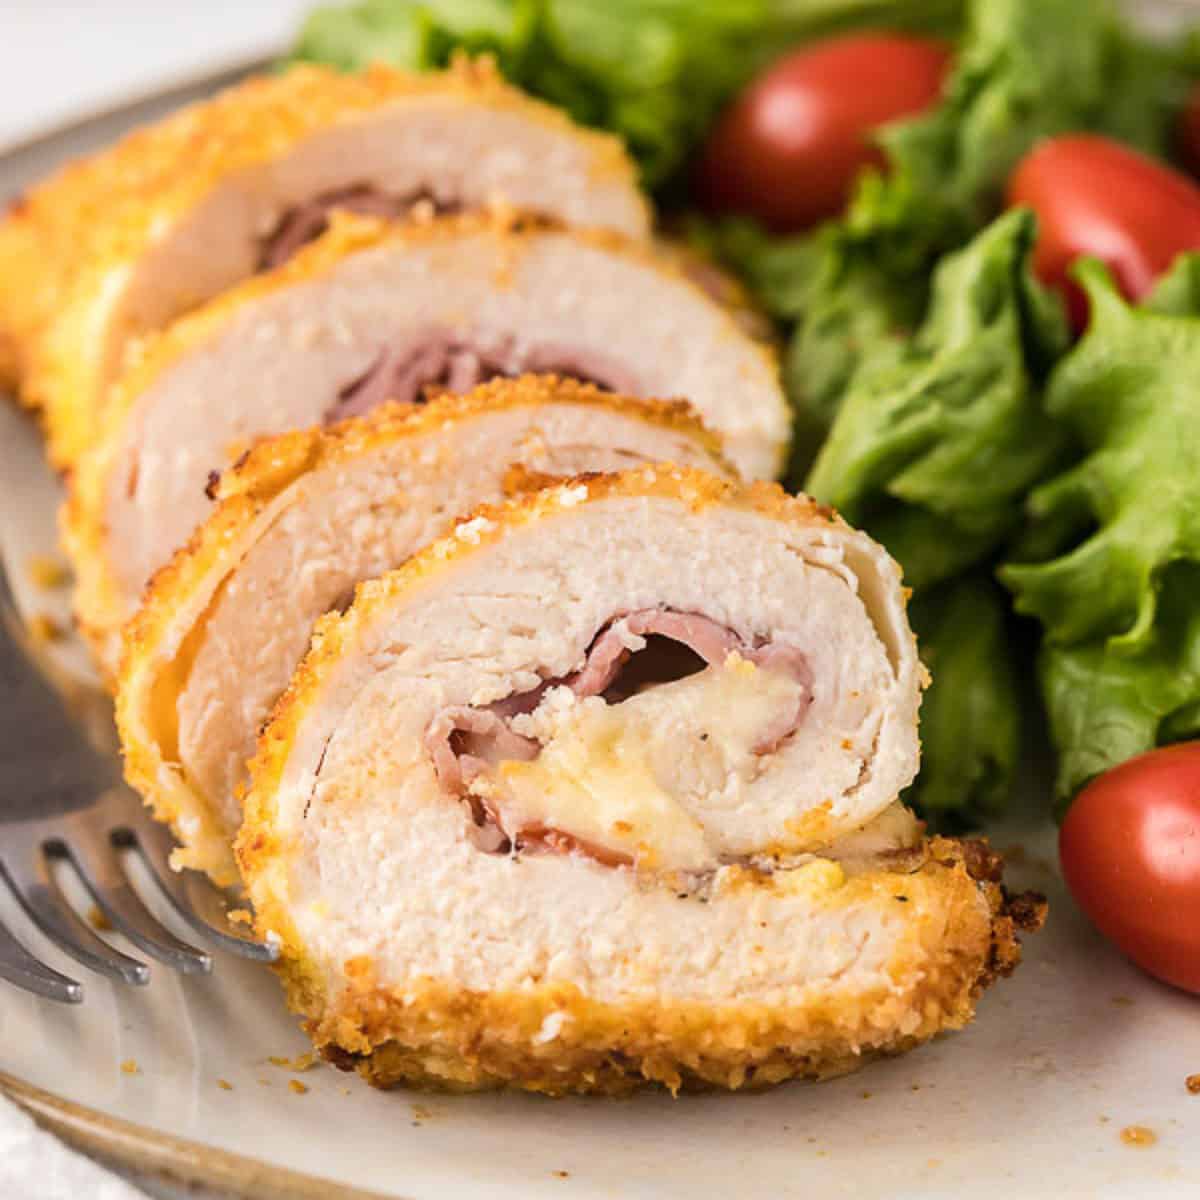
63	59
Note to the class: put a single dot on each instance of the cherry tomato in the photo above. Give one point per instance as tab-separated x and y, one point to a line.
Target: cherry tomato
1187	133
1095	196
789	147
1130	850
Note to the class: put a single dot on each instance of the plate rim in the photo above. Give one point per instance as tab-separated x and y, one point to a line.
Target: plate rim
113	1141
110	1140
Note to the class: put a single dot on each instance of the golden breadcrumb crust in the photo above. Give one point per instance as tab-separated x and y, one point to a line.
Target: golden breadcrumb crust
65	241
242	493
99	607
960	935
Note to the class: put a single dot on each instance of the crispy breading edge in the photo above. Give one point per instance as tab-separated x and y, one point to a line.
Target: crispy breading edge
431	1035
66	240
264	473
960	935
83	521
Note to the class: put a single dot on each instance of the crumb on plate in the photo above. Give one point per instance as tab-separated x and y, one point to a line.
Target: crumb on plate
302	1062
47	572
1138	1135
44	629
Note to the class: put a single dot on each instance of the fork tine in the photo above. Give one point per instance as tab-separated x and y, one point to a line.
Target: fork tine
102	875
154	844
18	966
48	909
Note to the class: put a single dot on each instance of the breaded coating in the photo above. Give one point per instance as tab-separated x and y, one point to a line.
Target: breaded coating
962	937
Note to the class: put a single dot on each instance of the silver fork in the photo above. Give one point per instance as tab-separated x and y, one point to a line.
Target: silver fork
61	800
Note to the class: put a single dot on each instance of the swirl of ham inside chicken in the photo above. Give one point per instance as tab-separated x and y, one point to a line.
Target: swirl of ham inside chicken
574	765
307	221
440	360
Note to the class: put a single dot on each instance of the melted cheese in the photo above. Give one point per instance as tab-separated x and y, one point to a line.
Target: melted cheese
620	777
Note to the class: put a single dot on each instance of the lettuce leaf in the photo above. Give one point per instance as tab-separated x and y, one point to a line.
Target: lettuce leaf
939	438
971	728
1107	703
1119	531
842	305
653	71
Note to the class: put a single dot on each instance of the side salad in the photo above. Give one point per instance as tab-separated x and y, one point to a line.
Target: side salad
977	224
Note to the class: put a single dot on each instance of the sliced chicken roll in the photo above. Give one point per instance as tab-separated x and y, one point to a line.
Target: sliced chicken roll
372	313
298	524
601	788
123	242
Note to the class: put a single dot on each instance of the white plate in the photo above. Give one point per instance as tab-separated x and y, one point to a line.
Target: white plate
1030	1101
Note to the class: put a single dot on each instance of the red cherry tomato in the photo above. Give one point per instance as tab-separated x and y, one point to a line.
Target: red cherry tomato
1130	850
1095	196
789	147
1187	134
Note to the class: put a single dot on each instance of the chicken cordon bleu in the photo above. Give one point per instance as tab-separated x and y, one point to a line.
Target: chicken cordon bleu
601	789
374	312
303	519
174	214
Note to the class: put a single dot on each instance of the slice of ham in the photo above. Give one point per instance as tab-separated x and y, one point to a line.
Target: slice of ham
306	222
712	642
465	741
450	362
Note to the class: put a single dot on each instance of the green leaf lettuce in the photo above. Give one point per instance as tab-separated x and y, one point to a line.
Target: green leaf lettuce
1119	531
971	716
